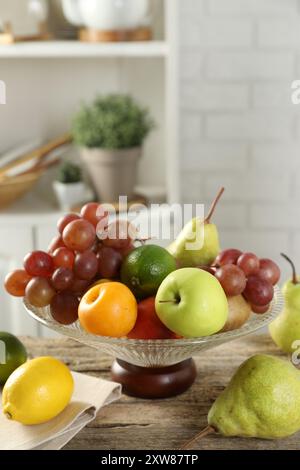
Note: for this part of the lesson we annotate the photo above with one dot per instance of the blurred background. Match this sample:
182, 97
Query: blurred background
213, 77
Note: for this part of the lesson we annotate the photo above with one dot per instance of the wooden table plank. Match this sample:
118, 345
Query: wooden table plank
135, 424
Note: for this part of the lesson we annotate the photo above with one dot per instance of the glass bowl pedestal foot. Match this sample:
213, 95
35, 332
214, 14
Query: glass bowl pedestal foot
154, 382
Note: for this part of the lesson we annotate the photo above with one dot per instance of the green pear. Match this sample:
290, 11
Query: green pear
201, 257
285, 329
262, 400
182, 248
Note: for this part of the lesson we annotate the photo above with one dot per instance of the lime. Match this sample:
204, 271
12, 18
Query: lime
145, 268
12, 353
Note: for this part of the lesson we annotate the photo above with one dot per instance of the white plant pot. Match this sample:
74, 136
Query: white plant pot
68, 195
107, 14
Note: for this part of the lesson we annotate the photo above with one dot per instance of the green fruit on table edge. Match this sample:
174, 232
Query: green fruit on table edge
144, 269
285, 329
197, 228
13, 352
192, 303
262, 400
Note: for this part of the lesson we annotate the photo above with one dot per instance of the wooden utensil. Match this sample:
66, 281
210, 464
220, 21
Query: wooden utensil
38, 154
16, 152
41, 168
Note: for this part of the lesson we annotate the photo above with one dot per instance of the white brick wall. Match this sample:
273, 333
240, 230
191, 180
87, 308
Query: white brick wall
250, 186
214, 156
249, 126
217, 33
272, 95
192, 125
247, 65
192, 64
275, 217
287, 33
267, 156
206, 96
252, 7
239, 127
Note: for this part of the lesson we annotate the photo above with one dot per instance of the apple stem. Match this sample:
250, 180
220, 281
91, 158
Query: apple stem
294, 279
205, 432
168, 302
213, 206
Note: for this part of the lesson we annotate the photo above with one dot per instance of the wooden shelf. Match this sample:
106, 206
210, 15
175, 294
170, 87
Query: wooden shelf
76, 49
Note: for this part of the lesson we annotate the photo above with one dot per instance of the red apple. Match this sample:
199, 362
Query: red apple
148, 325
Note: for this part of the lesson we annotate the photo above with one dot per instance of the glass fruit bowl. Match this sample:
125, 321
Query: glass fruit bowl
145, 367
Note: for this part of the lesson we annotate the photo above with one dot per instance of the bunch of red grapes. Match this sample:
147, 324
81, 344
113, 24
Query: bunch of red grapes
86, 249
245, 274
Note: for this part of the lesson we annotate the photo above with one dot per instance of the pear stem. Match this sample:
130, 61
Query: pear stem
142, 241
205, 432
294, 278
213, 206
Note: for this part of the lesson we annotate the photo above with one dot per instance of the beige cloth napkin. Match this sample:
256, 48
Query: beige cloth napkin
90, 394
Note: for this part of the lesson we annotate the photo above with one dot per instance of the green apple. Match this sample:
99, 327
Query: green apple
192, 303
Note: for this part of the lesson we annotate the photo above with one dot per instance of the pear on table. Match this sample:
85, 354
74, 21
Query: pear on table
285, 329
262, 401
255, 402
204, 256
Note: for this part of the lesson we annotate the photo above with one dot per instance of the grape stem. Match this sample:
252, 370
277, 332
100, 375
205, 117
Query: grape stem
213, 206
294, 278
205, 432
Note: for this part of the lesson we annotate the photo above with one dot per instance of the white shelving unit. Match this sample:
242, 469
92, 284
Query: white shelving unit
30, 224
76, 49
133, 64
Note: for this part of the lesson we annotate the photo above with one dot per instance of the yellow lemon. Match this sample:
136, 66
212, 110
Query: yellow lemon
37, 391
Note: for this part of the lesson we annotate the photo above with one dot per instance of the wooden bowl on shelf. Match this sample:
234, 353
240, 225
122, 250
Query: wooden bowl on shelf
13, 188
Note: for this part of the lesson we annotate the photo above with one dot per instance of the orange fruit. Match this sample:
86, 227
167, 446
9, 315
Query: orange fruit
101, 281
109, 309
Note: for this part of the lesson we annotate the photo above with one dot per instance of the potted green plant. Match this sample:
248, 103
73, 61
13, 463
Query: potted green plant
69, 187
110, 133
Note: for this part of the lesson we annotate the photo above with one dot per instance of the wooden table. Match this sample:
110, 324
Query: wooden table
163, 424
